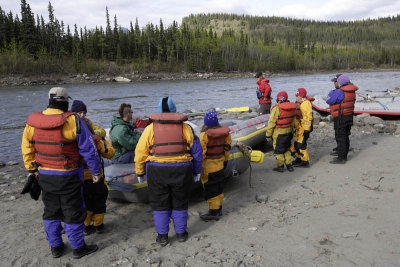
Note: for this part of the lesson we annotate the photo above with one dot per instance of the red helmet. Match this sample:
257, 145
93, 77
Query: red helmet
282, 96
301, 92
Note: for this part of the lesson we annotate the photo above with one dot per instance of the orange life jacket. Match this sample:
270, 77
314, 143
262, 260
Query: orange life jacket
168, 135
216, 142
52, 149
347, 105
287, 114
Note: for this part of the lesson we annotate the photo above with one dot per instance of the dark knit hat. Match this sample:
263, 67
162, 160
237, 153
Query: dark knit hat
78, 106
211, 118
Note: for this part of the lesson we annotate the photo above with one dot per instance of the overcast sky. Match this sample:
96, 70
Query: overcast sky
92, 12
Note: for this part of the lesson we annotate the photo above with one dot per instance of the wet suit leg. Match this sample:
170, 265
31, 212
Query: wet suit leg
213, 189
95, 195
281, 146
169, 191
62, 196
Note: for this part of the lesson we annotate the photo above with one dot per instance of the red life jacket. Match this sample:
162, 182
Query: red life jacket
216, 142
287, 114
168, 135
347, 105
52, 149
297, 111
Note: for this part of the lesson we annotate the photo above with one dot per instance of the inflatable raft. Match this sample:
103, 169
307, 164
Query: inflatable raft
377, 104
125, 187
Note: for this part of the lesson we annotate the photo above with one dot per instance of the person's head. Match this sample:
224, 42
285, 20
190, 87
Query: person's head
79, 108
125, 112
340, 80
281, 97
166, 104
58, 98
301, 94
258, 76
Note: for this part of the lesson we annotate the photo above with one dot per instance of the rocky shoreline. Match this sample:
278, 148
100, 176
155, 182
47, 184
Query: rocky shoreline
60, 79
324, 215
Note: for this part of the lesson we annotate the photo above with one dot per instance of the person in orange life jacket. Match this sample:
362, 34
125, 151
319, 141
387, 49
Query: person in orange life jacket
123, 135
215, 141
341, 102
95, 194
263, 94
170, 155
279, 129
53, 143
303, 125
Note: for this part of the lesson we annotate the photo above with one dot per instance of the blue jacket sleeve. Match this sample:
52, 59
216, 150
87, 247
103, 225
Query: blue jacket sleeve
197, 153
335, 97
87, 148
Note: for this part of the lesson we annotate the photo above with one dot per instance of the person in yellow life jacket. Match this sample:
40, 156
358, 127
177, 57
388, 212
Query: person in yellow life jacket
215, 141
304, 126
341, 102
54, 143
170, 155
279, 129
95, 194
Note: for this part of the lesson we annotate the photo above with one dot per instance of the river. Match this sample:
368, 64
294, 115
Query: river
103, 100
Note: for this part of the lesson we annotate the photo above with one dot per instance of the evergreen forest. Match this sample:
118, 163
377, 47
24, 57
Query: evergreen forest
31, 44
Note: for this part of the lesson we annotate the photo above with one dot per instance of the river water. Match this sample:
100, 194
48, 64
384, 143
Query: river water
103, 100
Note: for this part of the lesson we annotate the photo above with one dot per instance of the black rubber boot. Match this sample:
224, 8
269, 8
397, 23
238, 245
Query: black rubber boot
290, 167
303, 164
182, 237
296, 161
84, 250
100, 228
162, 239
89, 230
334, 153
57, 252
337, 161
212, 215
278, 169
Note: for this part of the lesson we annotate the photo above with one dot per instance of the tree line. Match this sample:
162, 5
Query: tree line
31, 44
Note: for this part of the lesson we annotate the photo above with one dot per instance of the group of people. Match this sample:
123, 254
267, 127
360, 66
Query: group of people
65, 153
287, 118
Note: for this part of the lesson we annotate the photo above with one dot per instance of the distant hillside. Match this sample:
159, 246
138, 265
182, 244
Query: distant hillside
376, 33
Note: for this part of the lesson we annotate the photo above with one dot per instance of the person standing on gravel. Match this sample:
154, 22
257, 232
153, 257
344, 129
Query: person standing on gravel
170, 155
263, 94
279, 129
53, 143
341, 101
304, 126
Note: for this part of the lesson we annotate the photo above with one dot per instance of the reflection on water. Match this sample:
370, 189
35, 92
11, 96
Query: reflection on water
103, 100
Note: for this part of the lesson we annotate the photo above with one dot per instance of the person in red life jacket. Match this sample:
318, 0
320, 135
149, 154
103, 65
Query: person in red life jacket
279, 129
304, 126
215, 141
95, 194
170, 155
53, 145
341, 102
263, 94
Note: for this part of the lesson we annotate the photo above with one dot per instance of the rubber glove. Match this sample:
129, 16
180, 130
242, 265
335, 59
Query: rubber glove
140, 179
225, 164
269, 139
196, 177
306, 134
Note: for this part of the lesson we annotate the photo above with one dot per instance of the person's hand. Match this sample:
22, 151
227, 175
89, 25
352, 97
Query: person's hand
225, 164
306, 134
196, 177
140, 179
269, 139
96, 178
